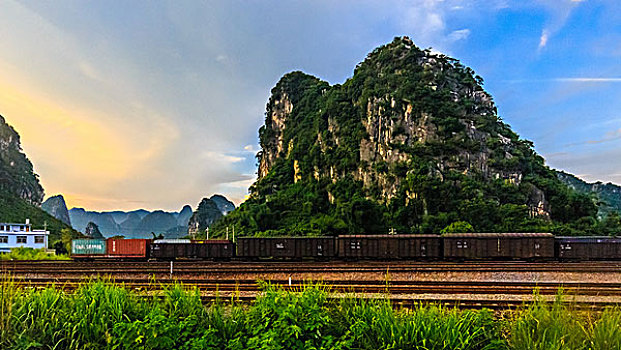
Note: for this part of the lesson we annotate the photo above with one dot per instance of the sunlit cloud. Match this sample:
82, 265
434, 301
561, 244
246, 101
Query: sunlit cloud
543, 39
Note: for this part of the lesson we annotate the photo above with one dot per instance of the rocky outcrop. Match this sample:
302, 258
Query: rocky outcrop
16, 173
204, 216
413, 106
92, 231
57, 207
410, 143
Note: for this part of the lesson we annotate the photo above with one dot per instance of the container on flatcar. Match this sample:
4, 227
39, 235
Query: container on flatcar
186, 249
128, 248
88, 248
286, 247
498, 245
588, 248
389, 246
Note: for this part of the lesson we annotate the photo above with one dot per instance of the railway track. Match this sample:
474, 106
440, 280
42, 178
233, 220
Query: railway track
203, 267
366, 279
471, 295
395, 287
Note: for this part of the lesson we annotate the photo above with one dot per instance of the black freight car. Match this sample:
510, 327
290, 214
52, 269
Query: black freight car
389, 247
588, 248
286, 247
498, 245
185, 249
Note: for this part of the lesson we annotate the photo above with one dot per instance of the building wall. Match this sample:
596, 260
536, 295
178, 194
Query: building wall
20, 235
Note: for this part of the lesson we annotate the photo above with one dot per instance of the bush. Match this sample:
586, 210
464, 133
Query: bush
23, 253
101, 315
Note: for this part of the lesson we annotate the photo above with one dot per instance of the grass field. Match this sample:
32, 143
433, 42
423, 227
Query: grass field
103, 315
31, 254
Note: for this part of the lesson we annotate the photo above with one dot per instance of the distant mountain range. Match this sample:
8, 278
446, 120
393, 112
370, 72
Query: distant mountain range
136, 223
608, 194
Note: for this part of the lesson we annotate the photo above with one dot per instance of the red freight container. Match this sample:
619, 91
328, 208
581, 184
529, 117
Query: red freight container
128, 248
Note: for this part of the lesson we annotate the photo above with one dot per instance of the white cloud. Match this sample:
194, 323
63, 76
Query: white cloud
590, 80
543, 40
251, 149
559, 14
459, 34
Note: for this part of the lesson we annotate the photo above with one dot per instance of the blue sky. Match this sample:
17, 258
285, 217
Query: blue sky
155, 104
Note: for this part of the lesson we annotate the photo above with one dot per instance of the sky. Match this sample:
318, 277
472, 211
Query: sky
157, 104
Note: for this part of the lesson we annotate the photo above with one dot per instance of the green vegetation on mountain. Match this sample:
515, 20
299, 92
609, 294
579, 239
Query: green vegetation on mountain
411, 142
608, 194
20, 191
16, 174
204, 216
16, 210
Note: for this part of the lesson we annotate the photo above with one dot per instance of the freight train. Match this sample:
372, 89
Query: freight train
454, 246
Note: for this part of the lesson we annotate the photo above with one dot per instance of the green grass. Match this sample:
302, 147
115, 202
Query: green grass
31, 254
102, 315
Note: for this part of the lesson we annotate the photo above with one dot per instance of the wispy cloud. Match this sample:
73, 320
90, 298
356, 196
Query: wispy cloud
543, 39
609, 136
590, 80
567, 80
459, 34
559, 14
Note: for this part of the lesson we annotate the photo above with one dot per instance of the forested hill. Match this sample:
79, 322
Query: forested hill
20, 191
608, 194
410, 143
16, 174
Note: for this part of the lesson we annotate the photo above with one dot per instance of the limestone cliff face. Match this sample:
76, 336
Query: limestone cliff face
280, 107
57, 207
16, 173
403, 108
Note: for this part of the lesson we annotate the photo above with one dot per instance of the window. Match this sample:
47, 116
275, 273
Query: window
40, 239
21, 228
22, 239
4, 239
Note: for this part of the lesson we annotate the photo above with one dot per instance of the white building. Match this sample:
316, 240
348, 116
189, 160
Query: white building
21, 235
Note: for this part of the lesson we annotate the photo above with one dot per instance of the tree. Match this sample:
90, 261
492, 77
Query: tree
458, 227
